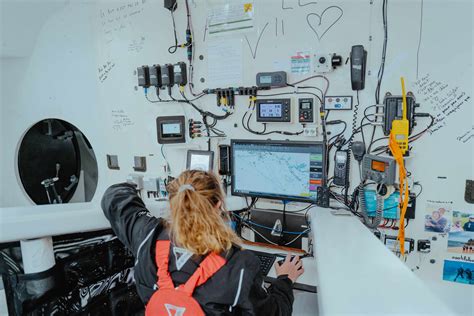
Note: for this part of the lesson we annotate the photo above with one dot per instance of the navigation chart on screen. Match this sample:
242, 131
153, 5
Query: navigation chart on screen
273, 172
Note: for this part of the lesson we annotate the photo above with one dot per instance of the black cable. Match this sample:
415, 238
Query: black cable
384, 51
287, 93
417, 136
313, 77
421, 188
283, 225
382, 65
172, 49
411, 139
264, 132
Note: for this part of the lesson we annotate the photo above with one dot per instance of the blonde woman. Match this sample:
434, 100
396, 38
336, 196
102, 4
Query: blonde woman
198, 227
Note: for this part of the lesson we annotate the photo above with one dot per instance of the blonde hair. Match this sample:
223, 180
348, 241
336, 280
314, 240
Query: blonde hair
196, 222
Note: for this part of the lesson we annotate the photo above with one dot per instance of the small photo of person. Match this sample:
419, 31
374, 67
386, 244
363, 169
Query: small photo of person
461, 235
458, 271
438, 221
469, 225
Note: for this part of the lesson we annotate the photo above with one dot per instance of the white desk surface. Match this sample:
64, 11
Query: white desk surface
36, 221
357, 275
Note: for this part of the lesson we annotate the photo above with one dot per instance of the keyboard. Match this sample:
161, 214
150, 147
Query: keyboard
266, 261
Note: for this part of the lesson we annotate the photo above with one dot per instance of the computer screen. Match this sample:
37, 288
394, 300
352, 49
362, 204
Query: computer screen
284, 170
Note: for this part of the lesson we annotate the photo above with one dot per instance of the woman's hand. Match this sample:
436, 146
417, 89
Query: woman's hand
291, 267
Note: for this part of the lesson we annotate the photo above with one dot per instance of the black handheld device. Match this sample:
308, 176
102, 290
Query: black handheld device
358, 65
341, 168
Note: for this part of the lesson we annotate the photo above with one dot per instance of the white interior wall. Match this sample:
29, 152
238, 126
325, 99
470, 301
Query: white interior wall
56, 81
60, 80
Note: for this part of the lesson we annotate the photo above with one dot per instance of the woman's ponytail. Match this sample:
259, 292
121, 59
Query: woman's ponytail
199, 222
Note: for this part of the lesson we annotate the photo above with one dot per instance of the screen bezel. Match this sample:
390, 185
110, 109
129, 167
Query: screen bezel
209, 154
276, 143
170, 138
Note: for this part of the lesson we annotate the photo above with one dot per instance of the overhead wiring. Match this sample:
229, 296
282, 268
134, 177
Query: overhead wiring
172, 49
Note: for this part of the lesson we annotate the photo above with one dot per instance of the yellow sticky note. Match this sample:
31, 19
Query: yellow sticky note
248, 7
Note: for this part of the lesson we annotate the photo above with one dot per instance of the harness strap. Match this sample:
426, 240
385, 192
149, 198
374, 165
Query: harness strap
162, 253
208, 267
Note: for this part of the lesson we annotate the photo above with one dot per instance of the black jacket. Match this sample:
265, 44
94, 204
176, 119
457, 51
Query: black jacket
236, 289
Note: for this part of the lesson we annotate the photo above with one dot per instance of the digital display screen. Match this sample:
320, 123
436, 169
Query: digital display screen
200, 162
299, 165
378, 166
266, 79
171, 128
306, 106
270, 110
341, 157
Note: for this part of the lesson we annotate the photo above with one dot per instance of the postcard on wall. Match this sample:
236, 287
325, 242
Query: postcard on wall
458, 271
461, 234
438, 216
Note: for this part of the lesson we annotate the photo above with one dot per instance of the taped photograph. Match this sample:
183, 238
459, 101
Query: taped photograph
458, 271
461, 235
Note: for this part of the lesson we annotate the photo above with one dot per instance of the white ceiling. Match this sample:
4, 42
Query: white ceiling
21, 22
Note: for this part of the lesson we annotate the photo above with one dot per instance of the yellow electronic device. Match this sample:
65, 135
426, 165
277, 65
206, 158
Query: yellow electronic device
400, 128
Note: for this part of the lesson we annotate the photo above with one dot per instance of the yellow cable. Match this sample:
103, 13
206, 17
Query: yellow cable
404, 196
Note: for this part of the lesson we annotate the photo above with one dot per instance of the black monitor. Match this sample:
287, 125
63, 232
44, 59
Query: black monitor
283, 170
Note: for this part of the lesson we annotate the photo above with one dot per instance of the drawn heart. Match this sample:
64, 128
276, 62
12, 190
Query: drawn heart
319, 26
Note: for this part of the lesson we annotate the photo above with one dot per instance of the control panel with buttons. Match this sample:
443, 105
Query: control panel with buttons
305, 110
380, 169
338, 102
273, 110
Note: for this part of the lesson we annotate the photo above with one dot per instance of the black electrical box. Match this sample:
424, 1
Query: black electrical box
155, 76
171, 5
180, 74
410, 212
323, 195
224, 160
143, 74
393, 111
167, 75
423, 245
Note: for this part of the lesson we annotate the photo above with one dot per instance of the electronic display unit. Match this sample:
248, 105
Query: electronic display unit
274, 110
282, 170
170, 129
270, 110
200, 160
271, 79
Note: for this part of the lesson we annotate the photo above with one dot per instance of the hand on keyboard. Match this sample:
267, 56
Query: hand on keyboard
291, 266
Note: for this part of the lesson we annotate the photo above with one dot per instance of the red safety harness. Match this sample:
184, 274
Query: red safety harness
168, 300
